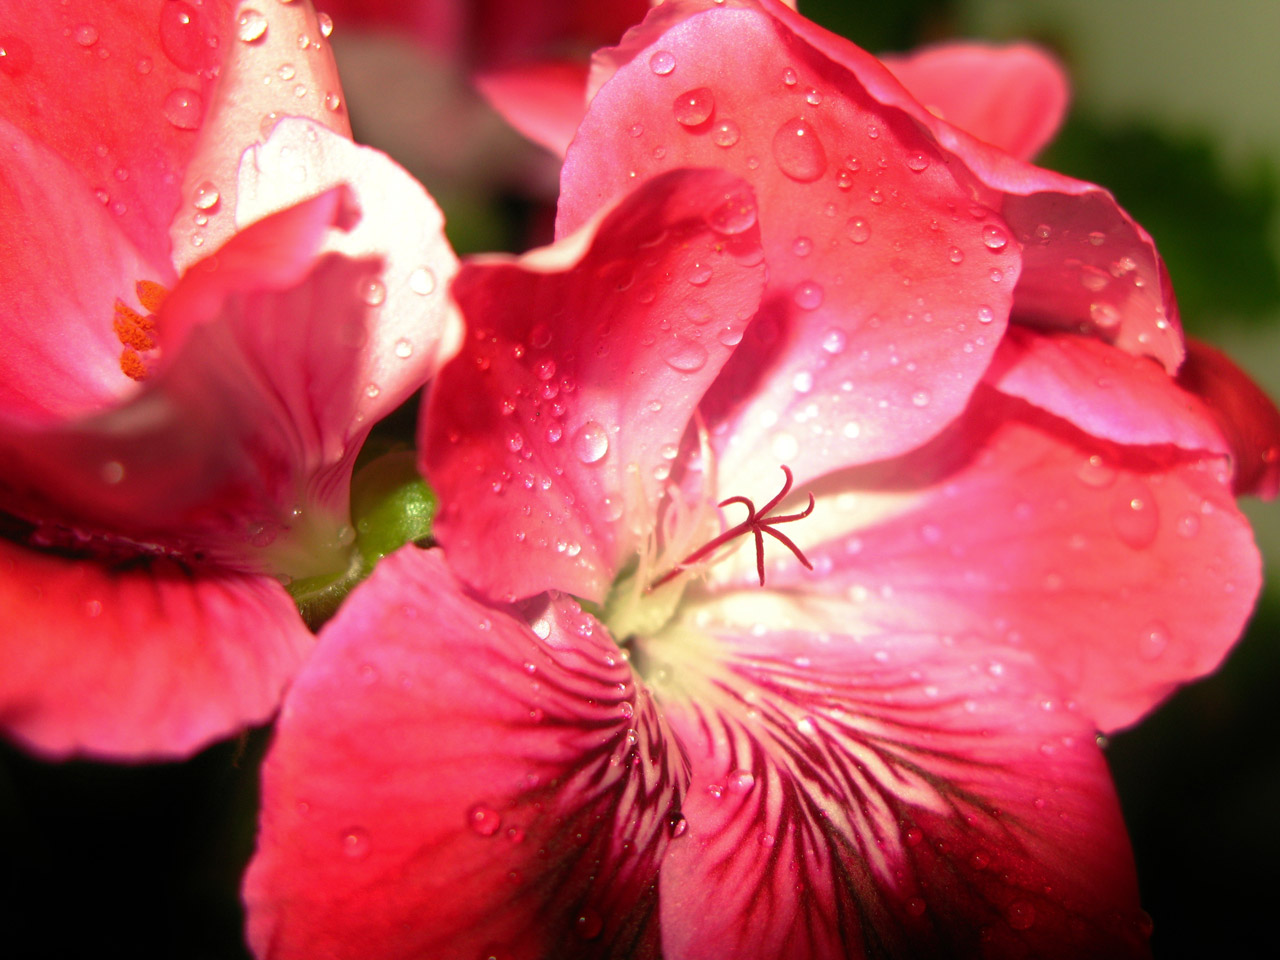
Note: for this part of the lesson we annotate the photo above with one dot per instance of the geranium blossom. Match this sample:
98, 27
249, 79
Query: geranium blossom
597, 724
211, 296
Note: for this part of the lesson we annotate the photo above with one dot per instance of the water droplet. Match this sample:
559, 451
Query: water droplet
1021, 915
372, 390
736, 214
86, 34
917, 163
798, 151
1096, 472
145, 66
784, 446
725, 133
677, 824
183, 108
404, 349
808, 295
112, 472
355, 843
812, 97
251, 26
834, 341
483, 821
545, 369
802, 246
422, 281
994, 237
686, 356
802, 382
700, 274
1153, 641
956, 255
920, 398
741, 781
986, 314
1097, 238
858, 230
915, 906
1104, 315
590, 443
1135, 516
373, 292
694, 106
206, 197
588, 925
332, 101
789, 77
1188, 525
181, 38
662, 63
873, 132
326, 24
16, 57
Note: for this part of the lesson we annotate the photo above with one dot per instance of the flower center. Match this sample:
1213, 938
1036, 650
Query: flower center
134, 330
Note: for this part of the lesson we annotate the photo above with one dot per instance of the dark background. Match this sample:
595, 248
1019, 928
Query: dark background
145, 861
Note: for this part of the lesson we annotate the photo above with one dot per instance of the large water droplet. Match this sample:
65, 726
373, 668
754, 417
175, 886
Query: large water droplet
484, 821
662, 63
858, 230
422, 281
181, 38
994, 237
206, 197
1135, 516
590, 443
694, 106
686, 356
251, 25
183, 108
917, 163
798, 151
326, 24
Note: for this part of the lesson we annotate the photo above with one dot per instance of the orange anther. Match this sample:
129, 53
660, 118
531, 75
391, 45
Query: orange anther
132, 329
131, 364
151, 295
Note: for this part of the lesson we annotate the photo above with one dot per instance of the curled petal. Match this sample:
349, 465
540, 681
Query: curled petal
1012, 97
544, 101
550, 436
891, 274
1103, 390
450, 781
142, 660
1126, 570
859, 796
1246, 416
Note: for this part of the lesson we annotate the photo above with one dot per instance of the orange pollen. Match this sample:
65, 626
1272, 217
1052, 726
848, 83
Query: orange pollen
135, 330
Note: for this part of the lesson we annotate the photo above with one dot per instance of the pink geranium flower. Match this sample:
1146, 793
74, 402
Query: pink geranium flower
211, 295
802, 525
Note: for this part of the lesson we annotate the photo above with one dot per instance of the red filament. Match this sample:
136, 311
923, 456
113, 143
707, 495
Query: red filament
758, 522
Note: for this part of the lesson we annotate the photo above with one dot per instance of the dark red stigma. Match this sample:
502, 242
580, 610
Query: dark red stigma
758, 522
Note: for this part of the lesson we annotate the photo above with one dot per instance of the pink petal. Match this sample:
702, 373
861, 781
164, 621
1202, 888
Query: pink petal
449, 782
883, 306
544, 101
1125, 570
547, 438
1085, 262
239, 450
59, 357
1012, 97
118, 92
1246, 416
865, 796
142, 659
286, 70
1102, 390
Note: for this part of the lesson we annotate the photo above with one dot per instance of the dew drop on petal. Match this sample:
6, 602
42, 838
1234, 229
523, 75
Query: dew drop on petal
808, 295
694, 107
373, 292
662, 63
483, 821
858, 230
735, 214
1096, 472
677, 825
798, 151
802, 246
355, 843
686, 356
590, 442
326, 24
917, 163
403, 349
1135, 516
834, 341
86, 34
725, 133
183, 108
422, 281
955, 255
1153, 641
332, 101
588, 924
1021, 915
206, 197
251, 25
986, 314
994, 237
789, 77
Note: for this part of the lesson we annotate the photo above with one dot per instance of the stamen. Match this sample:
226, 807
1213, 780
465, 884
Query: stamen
134, 330
758, 523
